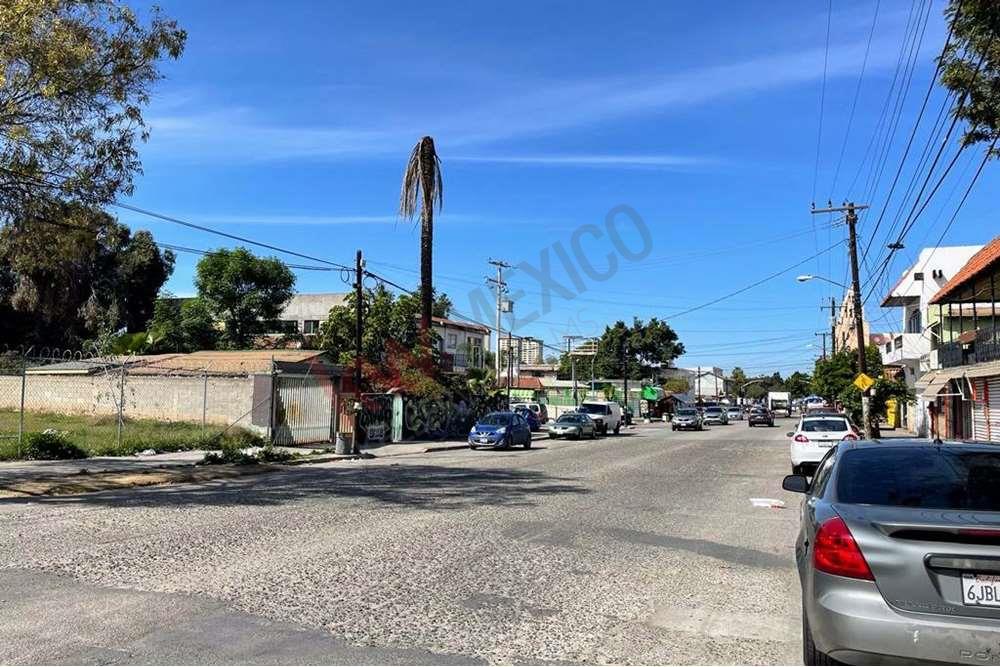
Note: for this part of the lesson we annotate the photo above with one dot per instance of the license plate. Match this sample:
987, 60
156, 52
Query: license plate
981, 590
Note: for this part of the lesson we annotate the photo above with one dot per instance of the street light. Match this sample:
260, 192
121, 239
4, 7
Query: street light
807, 277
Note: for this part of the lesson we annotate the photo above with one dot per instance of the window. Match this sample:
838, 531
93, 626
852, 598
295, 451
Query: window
831, 425
823, 473
921, 476
918, 275
452, 341
288, 326
914, 323
310, 327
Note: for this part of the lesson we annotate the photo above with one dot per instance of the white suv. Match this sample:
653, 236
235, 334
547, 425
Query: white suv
814, 436
606, 414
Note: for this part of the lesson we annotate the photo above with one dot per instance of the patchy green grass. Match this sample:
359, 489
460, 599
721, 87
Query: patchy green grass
97, 436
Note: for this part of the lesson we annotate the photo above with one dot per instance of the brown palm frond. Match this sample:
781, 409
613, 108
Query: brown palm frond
415, 189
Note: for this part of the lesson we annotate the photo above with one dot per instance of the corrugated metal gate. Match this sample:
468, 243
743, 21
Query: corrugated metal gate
986, 409
305, 409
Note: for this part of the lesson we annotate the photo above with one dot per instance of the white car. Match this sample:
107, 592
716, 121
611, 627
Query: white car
814, 436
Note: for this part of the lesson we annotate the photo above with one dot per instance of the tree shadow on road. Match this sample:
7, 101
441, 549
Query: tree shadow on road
430, 486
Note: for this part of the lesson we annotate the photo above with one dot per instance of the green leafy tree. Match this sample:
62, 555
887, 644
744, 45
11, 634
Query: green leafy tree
970, 68
181, 325
70, 273
243, 291
798, 384
738, 380
75, 76
676, 385
636, 350
388, 319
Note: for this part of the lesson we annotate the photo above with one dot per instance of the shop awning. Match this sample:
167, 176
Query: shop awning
981, 370
937, 383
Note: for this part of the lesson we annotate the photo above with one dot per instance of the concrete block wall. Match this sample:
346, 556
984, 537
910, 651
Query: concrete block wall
165, 398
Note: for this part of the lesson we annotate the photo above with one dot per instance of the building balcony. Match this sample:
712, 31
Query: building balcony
972, 347
905, 347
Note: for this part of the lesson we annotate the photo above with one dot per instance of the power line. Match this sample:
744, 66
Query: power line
854, 104
909, 143
242, 239
822, 96
754, 284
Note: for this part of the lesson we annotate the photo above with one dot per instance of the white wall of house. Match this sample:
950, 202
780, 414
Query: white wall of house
909, 345
308, 311
466, 344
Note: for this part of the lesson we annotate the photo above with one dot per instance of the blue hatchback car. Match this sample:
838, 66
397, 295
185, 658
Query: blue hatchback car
500, 429
533, 423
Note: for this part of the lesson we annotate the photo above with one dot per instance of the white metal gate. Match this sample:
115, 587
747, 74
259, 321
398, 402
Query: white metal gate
304, 409
986, 409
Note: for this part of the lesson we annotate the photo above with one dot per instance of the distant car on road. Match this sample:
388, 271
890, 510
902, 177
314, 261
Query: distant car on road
715, 415
573, 425
814, 436
606, 414
529, 416
734, 414
897, 554
540, 410
760, 416
500, 429
687, 419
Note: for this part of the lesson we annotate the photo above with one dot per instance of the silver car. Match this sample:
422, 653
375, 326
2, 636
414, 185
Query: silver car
686, 419
573, 425
899, 554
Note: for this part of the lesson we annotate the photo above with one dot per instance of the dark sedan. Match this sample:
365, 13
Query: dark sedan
760, 417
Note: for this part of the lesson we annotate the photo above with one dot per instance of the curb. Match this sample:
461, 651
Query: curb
445, 448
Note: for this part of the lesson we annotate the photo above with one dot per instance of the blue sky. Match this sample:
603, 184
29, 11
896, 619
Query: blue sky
292, 123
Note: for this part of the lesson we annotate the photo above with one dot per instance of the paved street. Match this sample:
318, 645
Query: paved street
642, 548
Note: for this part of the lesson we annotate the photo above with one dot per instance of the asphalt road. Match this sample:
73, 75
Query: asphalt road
642, 548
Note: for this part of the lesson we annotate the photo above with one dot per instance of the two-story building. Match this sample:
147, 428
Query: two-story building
461, 344
908, 349
962, 390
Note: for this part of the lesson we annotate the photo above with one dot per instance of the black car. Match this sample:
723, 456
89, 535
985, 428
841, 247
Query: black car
760, 416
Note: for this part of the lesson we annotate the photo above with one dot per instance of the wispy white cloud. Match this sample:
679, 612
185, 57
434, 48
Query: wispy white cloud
593, 160
250, 219
508, 112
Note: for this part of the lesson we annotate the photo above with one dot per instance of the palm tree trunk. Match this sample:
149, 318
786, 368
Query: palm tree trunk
427, 177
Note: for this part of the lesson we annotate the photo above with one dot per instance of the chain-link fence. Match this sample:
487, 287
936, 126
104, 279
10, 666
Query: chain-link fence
119, 405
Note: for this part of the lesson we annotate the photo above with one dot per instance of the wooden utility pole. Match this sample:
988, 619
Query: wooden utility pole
833, 326
823, 334
851, 218
359, 274
501, 287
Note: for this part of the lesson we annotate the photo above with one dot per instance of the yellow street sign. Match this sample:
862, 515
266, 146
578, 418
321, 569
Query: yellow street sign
863, 382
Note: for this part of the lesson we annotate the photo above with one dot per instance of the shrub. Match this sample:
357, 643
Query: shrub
50, 444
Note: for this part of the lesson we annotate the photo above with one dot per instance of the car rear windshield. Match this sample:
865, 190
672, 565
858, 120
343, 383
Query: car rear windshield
825, 425
596, 408
495, 419
921, 476
573, 419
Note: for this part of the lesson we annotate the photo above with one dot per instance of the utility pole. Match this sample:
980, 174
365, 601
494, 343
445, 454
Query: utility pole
823, 334
572, 358
510, 366
501, 287
625, 418
359, 274
833, 326
851, 218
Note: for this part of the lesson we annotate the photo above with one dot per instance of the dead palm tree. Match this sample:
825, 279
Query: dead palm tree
422, 181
